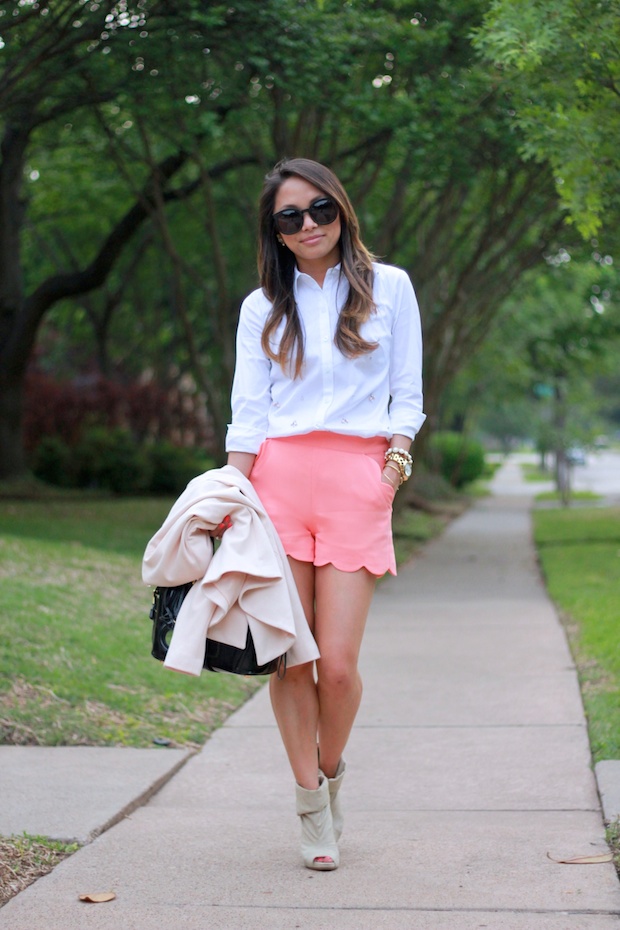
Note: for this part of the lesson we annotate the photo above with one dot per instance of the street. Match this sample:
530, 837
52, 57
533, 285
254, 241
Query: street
600, 474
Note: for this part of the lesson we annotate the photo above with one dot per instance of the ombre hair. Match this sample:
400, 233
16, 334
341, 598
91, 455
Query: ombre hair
276, 267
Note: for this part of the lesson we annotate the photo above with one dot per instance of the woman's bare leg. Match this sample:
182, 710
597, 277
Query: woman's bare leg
294, 698
336, 606
342, 604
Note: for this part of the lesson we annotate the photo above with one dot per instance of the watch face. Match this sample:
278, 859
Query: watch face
408, 470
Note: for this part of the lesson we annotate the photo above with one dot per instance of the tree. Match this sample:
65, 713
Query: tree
455, 203
181, 123
83, 62
558, 332
561, 60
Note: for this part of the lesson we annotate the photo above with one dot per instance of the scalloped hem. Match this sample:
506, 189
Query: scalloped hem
377, 572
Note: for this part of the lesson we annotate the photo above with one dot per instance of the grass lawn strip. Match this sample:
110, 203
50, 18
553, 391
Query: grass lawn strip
412, 529
588, 496
75, 664
613, 838
579, 550
533, 472
75, 660
25, 858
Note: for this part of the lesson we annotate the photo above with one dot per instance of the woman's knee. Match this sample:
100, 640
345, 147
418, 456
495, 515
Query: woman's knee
339, 674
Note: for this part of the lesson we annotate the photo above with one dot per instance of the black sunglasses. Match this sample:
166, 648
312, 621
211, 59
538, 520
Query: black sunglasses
323, 211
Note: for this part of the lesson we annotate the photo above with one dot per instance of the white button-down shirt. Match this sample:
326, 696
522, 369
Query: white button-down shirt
376, 394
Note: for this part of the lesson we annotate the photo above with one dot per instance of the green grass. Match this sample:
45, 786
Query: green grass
532, 472
75, 663
613, 839
412, 528
574, 496
25, 858
580, 556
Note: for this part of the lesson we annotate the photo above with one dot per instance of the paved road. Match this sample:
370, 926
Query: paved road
600, 474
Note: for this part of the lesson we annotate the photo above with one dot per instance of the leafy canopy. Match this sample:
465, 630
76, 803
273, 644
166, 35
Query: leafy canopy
561, 60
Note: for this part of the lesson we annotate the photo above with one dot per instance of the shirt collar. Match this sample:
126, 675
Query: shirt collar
331, 272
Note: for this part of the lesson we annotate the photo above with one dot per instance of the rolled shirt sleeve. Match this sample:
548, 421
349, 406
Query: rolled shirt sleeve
251, 390
405, 378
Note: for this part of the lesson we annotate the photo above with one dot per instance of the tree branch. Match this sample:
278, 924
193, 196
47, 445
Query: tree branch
73, 283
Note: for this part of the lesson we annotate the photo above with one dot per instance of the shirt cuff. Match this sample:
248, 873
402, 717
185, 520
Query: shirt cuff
407, 427
241, 440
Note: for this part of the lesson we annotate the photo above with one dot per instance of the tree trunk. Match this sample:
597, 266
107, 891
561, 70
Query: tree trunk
20, 316
12, 370
562, 466
12, 458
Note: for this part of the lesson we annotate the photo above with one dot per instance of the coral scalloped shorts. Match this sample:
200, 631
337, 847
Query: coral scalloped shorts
325, 497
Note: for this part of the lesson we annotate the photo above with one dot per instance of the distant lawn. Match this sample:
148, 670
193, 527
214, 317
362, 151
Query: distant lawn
574, 496
412, 528
580, 554
75, 663
533, 472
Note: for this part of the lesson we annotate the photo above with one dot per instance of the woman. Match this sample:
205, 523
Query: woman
326, 401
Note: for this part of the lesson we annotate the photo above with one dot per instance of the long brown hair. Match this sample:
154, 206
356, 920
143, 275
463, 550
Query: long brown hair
276, 267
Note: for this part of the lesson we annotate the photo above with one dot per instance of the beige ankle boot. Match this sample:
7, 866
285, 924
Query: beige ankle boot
334, 801
317, 830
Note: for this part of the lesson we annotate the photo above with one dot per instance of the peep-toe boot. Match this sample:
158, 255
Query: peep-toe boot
317, 831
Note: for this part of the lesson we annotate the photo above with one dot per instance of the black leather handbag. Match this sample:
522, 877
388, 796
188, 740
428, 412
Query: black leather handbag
219, 657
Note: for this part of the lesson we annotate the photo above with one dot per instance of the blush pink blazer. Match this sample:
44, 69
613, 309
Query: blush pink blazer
247, 581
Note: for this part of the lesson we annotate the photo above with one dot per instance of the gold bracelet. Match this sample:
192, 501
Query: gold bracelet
403, 452
402, 459
393, 465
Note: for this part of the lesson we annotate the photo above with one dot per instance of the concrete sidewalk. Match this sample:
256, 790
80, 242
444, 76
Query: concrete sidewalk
467, 769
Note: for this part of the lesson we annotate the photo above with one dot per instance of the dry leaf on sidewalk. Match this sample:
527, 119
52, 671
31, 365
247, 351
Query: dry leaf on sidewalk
98, 898
584, 860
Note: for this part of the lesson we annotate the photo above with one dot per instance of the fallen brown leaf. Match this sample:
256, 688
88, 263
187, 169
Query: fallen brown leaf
584, 860
98, 898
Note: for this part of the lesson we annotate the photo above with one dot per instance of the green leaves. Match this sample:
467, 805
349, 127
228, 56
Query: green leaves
562, 64
423, 131
521, 34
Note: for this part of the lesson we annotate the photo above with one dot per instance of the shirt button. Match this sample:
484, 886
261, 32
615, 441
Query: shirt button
344, 420
372, 397
294, 423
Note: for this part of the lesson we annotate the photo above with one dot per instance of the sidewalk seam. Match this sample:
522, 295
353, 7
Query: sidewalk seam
141, 799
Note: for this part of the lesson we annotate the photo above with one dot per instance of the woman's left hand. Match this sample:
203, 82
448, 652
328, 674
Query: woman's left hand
219, 530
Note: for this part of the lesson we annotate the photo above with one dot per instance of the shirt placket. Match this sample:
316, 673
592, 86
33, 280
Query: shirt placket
326, 353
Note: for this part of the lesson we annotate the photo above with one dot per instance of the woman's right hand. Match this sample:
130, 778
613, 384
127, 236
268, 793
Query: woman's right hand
390, 476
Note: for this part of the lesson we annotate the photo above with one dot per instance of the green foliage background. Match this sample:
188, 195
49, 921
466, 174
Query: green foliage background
468, 133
